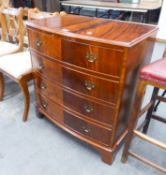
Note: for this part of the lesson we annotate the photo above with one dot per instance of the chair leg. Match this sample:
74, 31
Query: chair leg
24, 88
150, 111
157, 104
1, 86
134, 117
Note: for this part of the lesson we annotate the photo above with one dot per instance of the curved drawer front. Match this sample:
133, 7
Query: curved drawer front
77, 81
87, 129
48, 44
99, 59
50, 108
48, 89
86, 108
91, 86
47, 68
80, 126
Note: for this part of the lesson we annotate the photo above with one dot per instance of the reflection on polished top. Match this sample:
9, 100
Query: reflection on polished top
96, 29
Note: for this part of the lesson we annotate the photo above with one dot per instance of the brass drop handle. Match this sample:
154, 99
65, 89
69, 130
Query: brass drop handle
43, 85
86, 130
88, 109
91, 57
44, 105
38, 42
89, 85
41, 66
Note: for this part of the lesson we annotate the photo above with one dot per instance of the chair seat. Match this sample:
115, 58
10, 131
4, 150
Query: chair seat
155, 72
7, 48
17, 64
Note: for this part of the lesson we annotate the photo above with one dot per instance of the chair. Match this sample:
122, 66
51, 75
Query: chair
35, 13
14, 63
11, 20
154, 75
5, 3
17, 66
164, 92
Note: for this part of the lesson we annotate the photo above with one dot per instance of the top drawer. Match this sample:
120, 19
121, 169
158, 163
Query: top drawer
99, 59
48, 44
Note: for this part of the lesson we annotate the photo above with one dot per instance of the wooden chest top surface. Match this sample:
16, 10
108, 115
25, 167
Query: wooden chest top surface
95, 29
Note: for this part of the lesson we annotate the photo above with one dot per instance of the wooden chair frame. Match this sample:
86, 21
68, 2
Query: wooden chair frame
164, 92
136, 113
11, 15
22, 82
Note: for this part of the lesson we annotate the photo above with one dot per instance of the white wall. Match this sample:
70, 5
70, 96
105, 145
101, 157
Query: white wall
162, 22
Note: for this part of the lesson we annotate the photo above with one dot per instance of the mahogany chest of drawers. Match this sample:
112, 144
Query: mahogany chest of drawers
85, 74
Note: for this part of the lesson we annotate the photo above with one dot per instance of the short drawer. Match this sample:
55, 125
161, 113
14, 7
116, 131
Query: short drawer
87, 129
50, 108
48, 44
99, 59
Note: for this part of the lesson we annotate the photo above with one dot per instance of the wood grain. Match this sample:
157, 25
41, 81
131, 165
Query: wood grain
90, 79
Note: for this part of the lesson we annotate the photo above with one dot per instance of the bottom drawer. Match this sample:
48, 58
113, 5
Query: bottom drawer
94, 132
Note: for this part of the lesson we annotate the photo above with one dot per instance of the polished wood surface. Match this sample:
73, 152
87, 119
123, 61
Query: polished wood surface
87, 108
40, 42
85, 73
95, 29
88, 129
93, 57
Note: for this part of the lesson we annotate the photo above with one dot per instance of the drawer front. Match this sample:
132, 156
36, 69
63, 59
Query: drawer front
91, 86
50, 108
90, 109
89, 130
48, 44
46, 88
99, 59
78, 81
47, 68
86, 108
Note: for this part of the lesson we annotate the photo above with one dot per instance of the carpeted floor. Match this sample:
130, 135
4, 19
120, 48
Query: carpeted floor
38, 147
